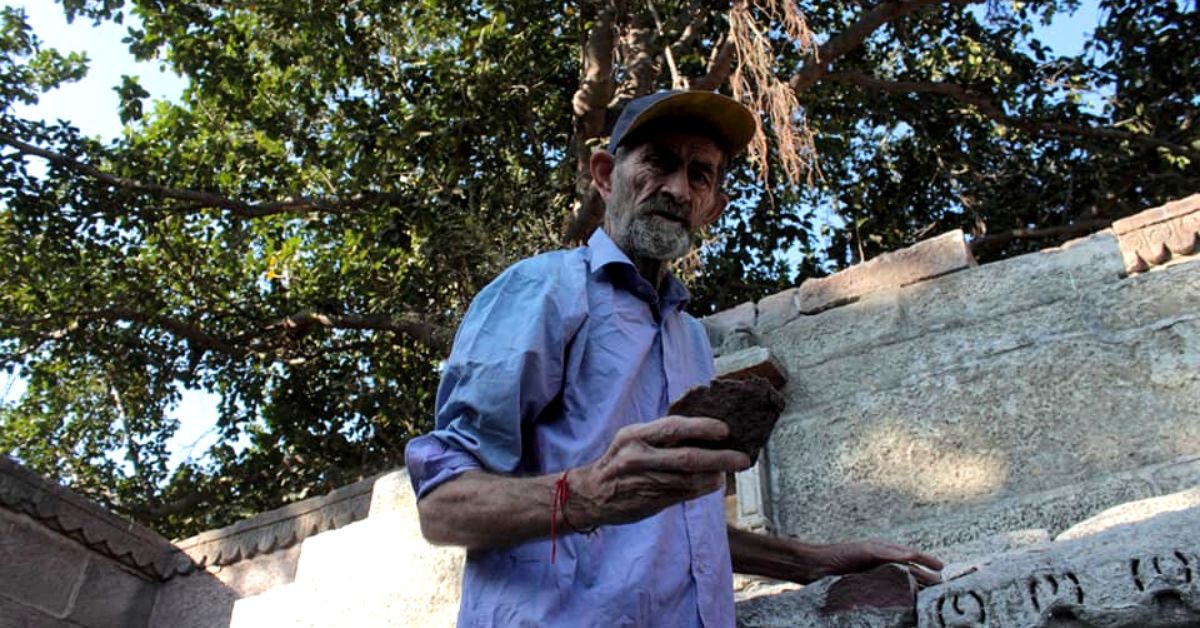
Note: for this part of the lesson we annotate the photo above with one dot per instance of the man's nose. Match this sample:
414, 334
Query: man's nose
678, 187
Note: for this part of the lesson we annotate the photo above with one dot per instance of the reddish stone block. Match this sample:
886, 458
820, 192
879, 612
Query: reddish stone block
889, 586
925, 260
752, 362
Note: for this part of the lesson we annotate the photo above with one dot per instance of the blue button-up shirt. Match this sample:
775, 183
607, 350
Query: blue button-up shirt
552, 358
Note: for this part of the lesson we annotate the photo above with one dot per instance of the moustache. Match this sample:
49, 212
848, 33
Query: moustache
667, 207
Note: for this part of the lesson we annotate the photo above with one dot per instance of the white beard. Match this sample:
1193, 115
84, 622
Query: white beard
653, 237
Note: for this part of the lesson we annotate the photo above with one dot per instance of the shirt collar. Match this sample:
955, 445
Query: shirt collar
604, 254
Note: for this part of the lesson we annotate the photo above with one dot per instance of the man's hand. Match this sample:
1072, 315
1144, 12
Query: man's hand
845, 558
788, 559
643, 471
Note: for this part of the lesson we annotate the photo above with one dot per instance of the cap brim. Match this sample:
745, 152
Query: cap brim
729, 119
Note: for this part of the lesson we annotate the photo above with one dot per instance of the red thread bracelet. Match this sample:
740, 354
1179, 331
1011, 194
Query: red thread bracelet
562, 492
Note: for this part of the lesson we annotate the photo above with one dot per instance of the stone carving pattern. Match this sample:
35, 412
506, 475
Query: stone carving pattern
1159, 573
1166, 579
1156, 235
91, 526
1057, 595
960, 609
276, 529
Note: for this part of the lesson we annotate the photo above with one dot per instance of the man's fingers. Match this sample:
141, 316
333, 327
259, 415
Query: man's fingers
688, 460
926, 560
902, 554
924, 576
682, 485
669, 430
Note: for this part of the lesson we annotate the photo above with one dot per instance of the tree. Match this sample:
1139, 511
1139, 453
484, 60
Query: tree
301, 231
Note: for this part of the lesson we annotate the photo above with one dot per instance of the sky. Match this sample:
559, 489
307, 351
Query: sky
91, 105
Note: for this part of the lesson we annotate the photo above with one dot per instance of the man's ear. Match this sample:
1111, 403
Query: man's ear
719, 204
602, 165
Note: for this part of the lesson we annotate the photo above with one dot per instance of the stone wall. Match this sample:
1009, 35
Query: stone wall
354, 557
944, 403
67, 562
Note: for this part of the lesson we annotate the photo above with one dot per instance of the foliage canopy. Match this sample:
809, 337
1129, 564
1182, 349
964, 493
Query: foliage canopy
300, 232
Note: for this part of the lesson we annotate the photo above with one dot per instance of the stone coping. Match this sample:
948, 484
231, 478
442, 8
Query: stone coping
1150, 238
275, 529
153, 557
924, 260
1157, 235
138, 548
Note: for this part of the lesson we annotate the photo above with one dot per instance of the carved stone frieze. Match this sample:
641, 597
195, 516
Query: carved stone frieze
276, 529
1135, 574
141, 550
1156, 235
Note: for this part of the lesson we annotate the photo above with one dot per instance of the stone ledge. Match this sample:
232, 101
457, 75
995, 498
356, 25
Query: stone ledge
924, 260
927, 259
1156, 235
141, 550
753, 361
276, 529
725, 322
1135, 574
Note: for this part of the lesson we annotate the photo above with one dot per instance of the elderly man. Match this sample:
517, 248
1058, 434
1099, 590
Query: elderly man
552, 462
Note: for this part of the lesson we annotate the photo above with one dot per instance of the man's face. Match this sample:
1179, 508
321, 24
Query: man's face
663, 191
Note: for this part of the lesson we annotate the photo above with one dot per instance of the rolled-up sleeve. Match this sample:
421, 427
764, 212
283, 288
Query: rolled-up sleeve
505, 368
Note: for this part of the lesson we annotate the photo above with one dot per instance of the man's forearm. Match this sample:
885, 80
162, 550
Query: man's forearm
642, 472
769, 556
479, 509
787, 559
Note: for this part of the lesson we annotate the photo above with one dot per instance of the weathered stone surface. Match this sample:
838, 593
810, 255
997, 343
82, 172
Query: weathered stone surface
260, 573
1156, 235
882, 597
363, 575
984, 391
38, 567
359, 575
969, 434
926, 259
16, 615
777, 310
392, 492
722, 323
1133, 512
1142, 574
750, 406
195, 600
279, 528
752, 362
111, 597
58, 509
966, 557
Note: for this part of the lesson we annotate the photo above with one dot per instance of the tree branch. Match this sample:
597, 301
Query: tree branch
433, 336
853, 36
198, 199
590, 105
1037, 128
985, 246
296, 326
720, 66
